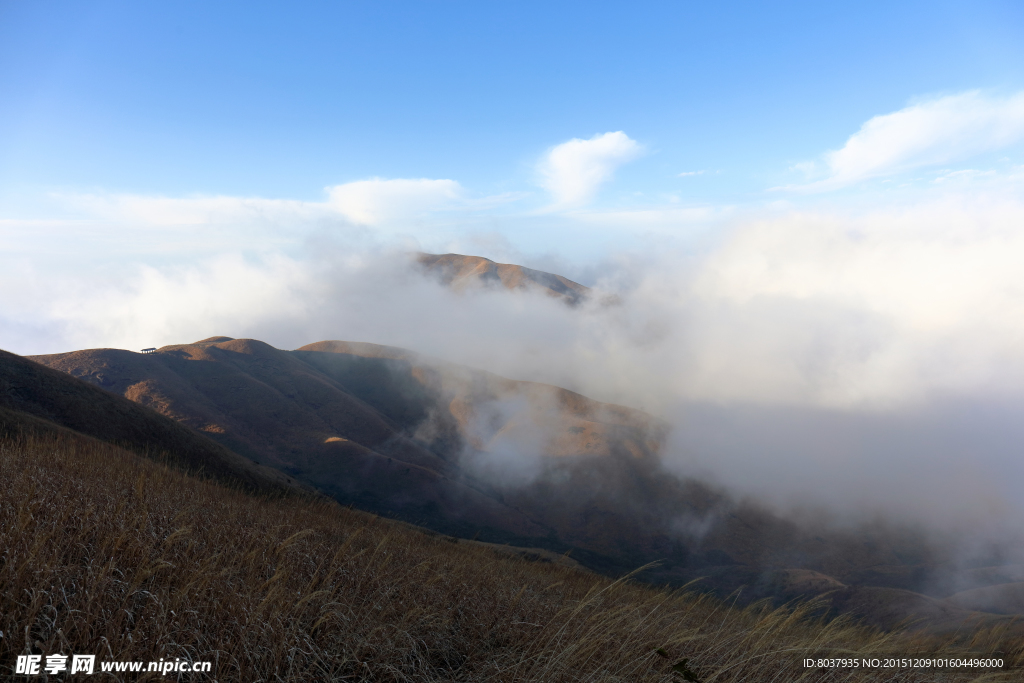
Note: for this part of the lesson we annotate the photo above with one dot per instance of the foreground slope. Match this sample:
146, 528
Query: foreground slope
110, 554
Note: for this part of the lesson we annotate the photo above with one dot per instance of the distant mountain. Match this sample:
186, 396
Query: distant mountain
1001, 598
459, 272
38, 399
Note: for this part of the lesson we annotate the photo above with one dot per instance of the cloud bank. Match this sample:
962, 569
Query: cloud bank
889, 322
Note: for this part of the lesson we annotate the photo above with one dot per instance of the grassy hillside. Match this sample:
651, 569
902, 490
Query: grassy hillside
108, 553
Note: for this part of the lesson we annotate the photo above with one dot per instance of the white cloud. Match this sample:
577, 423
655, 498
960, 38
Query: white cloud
965, 175
889, 308
378, 201
154, 305
686, 174
574, 170
939, 131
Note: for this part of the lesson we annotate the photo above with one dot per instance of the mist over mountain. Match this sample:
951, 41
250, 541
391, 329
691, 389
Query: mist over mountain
746, 359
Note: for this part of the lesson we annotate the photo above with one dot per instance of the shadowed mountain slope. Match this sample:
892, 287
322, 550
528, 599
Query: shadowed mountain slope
459, 272
271, 406
457, 449
38, 399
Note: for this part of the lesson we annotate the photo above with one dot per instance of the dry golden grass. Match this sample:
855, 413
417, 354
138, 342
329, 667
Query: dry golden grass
107, 553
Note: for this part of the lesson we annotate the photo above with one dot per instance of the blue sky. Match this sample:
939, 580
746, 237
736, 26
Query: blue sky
283, 100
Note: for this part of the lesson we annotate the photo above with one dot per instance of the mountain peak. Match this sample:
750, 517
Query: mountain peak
460, 271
